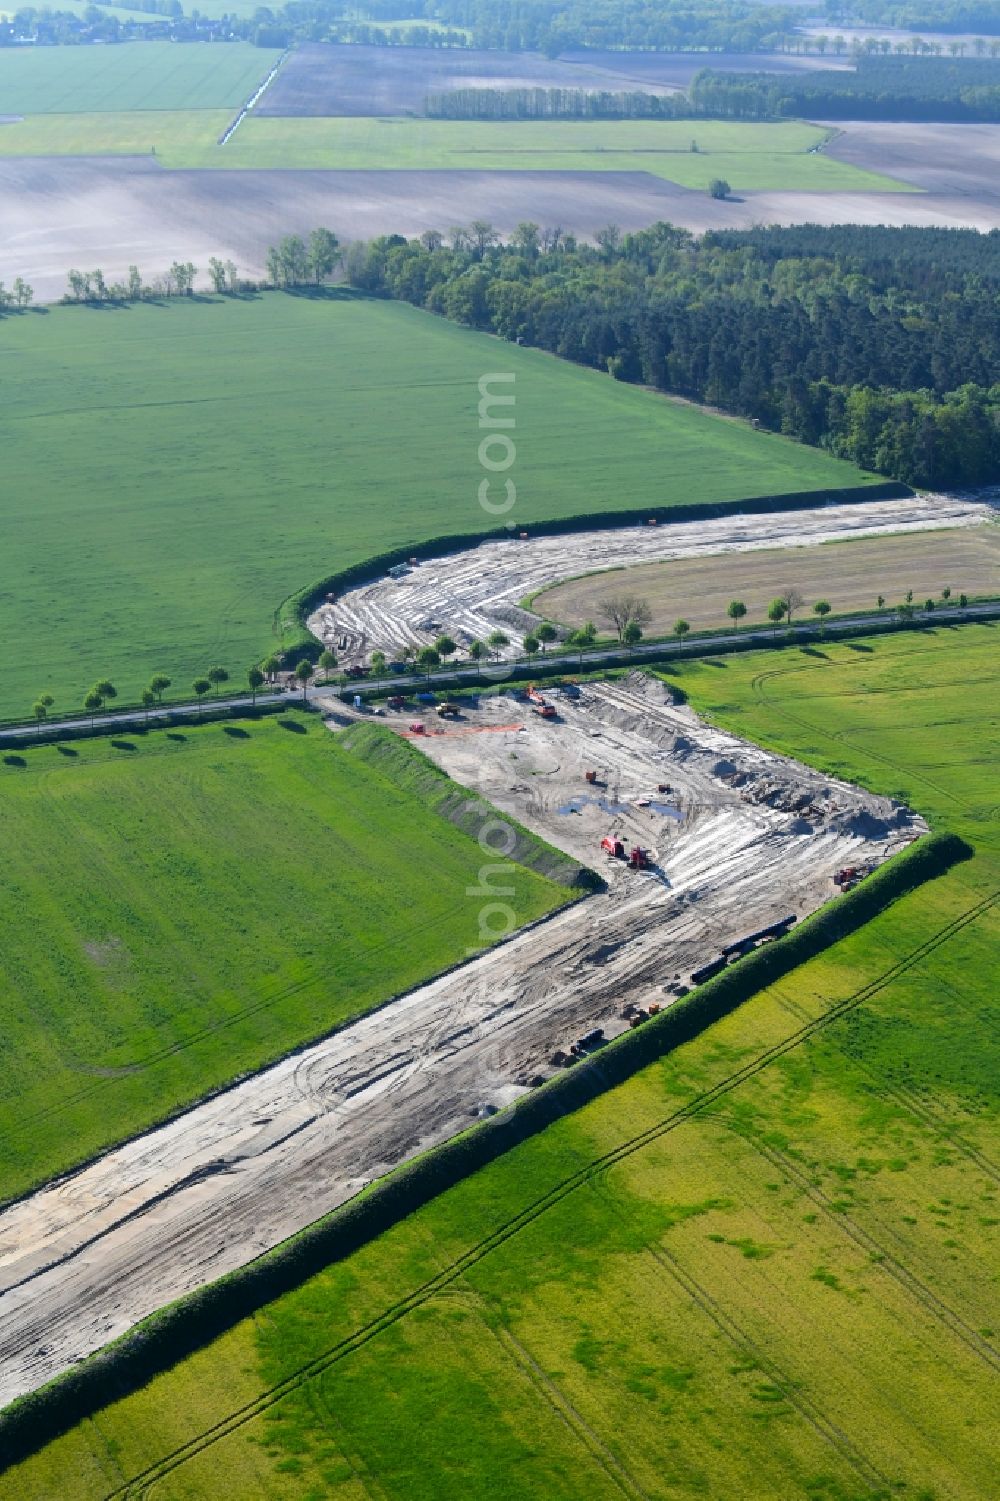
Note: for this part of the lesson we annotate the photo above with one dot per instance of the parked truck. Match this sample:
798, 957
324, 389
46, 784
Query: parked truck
540, 705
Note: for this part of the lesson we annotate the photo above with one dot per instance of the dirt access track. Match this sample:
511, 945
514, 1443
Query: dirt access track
741, 839
473, 593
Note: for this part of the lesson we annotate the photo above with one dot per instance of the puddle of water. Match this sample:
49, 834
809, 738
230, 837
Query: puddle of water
577, 804
667, 810
572, 807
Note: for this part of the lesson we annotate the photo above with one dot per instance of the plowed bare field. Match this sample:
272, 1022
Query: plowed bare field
848, 575
329, 79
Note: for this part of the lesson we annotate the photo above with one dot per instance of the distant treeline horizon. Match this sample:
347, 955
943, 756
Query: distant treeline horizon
552, 27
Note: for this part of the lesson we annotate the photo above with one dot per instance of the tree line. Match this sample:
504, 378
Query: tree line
102, 695
549, 26
555, 104
295, 262
880, 88
555, 26
20, 295
559, 104
627, 615
882, 345
93, 286
968, 16
292, 263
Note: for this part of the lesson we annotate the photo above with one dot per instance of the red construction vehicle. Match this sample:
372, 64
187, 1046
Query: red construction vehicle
418, 727
395, 702
613, 846
638, 858
539, 704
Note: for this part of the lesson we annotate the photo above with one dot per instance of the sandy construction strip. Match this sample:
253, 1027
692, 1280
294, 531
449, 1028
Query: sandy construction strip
470, 594
744, 838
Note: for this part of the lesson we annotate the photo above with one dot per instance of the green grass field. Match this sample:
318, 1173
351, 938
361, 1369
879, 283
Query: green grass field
132, 76
171, 474
181, 908
172, 134
748, 156
789, 1294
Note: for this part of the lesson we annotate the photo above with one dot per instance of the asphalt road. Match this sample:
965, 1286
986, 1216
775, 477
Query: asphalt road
491, 673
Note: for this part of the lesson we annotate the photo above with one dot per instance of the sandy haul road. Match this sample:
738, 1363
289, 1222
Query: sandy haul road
472, 593
743, 838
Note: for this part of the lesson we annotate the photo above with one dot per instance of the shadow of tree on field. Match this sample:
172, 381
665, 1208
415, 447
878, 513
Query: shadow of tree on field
328, 294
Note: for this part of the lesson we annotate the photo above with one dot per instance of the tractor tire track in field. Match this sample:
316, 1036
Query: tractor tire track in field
672, 1269
330, 1423
908, 1100
929, 1301
140, 1485
564, 1409
842, 737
